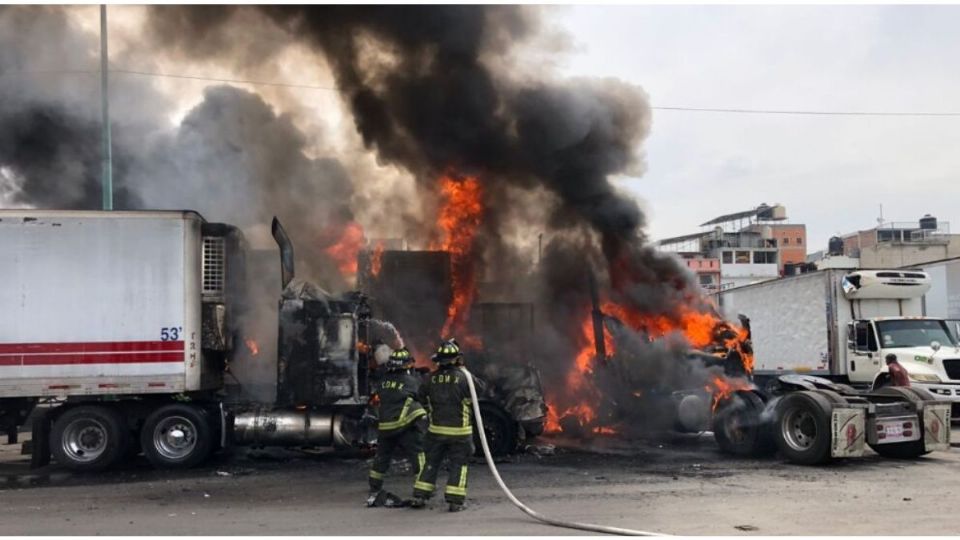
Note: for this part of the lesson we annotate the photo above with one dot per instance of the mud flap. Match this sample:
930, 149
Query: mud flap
847, 430
40, 442
936, 427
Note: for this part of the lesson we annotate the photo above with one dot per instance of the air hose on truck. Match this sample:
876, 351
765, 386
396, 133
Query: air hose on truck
516, 502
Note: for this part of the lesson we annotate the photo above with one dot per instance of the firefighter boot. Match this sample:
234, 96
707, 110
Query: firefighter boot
418, 502
455, 507
373, 499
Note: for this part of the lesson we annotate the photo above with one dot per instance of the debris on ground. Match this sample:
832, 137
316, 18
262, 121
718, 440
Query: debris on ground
540, 450
746, 528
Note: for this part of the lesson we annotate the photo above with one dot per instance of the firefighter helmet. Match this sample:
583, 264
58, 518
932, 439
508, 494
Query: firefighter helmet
400, 359
448, 352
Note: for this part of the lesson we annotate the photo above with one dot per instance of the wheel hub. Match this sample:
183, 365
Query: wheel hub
84, 440
799, 430
175, 437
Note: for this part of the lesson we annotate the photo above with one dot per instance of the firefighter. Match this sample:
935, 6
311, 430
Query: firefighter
450, 434
402, 420
898, 375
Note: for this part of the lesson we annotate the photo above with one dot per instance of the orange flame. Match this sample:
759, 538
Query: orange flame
376, 259
252, 346
700, 329
344, 249
723, 387
458, 220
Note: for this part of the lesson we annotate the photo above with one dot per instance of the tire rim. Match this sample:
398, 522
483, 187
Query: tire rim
799, 429
175, 437
493, 436
84, 440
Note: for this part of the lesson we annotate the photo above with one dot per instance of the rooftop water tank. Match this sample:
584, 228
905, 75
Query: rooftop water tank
835, 246
928, 222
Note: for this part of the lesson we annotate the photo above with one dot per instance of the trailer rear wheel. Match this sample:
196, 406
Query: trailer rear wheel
903, 450
89, 438
909, 393
739, 427
802, 429
177, 437
909, 449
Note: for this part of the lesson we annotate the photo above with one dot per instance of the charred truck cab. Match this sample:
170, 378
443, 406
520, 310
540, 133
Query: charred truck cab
322, 375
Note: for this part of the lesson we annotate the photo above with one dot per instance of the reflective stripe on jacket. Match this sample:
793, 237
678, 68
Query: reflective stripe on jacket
398, 400
447, 397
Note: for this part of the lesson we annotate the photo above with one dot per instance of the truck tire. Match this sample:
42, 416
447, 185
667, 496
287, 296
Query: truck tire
500, 429
903, 450
910, 449
177, 436
924, 395
739, 427
832, 397
89, 438
908, 393
802, 427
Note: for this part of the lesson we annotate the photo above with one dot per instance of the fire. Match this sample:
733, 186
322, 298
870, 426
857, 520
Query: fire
458, 220
343, 245
703, 330
252, 346
723, 387
376, 259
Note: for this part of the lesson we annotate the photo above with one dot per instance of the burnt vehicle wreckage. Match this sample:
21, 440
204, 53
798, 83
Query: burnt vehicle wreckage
809, 420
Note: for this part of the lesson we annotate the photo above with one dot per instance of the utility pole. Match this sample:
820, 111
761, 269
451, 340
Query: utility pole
107, 156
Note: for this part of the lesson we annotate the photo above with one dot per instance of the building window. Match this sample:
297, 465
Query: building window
786, 241
727, 257
743, 257
764, 257
706, 279
799, 241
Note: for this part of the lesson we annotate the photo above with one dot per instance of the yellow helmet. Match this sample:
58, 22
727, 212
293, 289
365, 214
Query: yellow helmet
400, 359
448, 352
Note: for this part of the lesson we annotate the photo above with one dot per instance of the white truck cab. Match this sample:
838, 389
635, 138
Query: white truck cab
924, 346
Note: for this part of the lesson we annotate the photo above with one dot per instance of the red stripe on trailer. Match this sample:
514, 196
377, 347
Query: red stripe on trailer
156, 385
81, 358
90, 346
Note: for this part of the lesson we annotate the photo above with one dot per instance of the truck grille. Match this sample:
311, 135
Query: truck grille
952, 368
214, 266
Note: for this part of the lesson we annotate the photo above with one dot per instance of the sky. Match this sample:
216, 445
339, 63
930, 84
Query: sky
832, 173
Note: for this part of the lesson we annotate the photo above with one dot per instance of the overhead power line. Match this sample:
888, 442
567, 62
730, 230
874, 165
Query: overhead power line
715, 110
805, 113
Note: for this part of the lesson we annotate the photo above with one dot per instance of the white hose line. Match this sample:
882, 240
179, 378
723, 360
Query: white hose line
526, 509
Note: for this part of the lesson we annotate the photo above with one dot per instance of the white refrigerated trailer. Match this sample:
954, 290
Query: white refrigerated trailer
841, 325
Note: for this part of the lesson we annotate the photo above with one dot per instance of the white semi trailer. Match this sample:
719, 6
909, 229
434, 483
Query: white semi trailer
841, 325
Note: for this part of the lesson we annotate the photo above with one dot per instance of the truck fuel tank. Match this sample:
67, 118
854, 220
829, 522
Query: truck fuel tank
262, 427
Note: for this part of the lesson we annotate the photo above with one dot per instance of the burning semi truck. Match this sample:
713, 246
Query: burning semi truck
123, 326
808, 419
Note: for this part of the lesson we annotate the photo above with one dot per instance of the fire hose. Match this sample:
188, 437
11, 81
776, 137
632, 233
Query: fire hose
516, 502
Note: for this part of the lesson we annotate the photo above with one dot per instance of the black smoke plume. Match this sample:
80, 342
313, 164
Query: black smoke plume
433, 90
